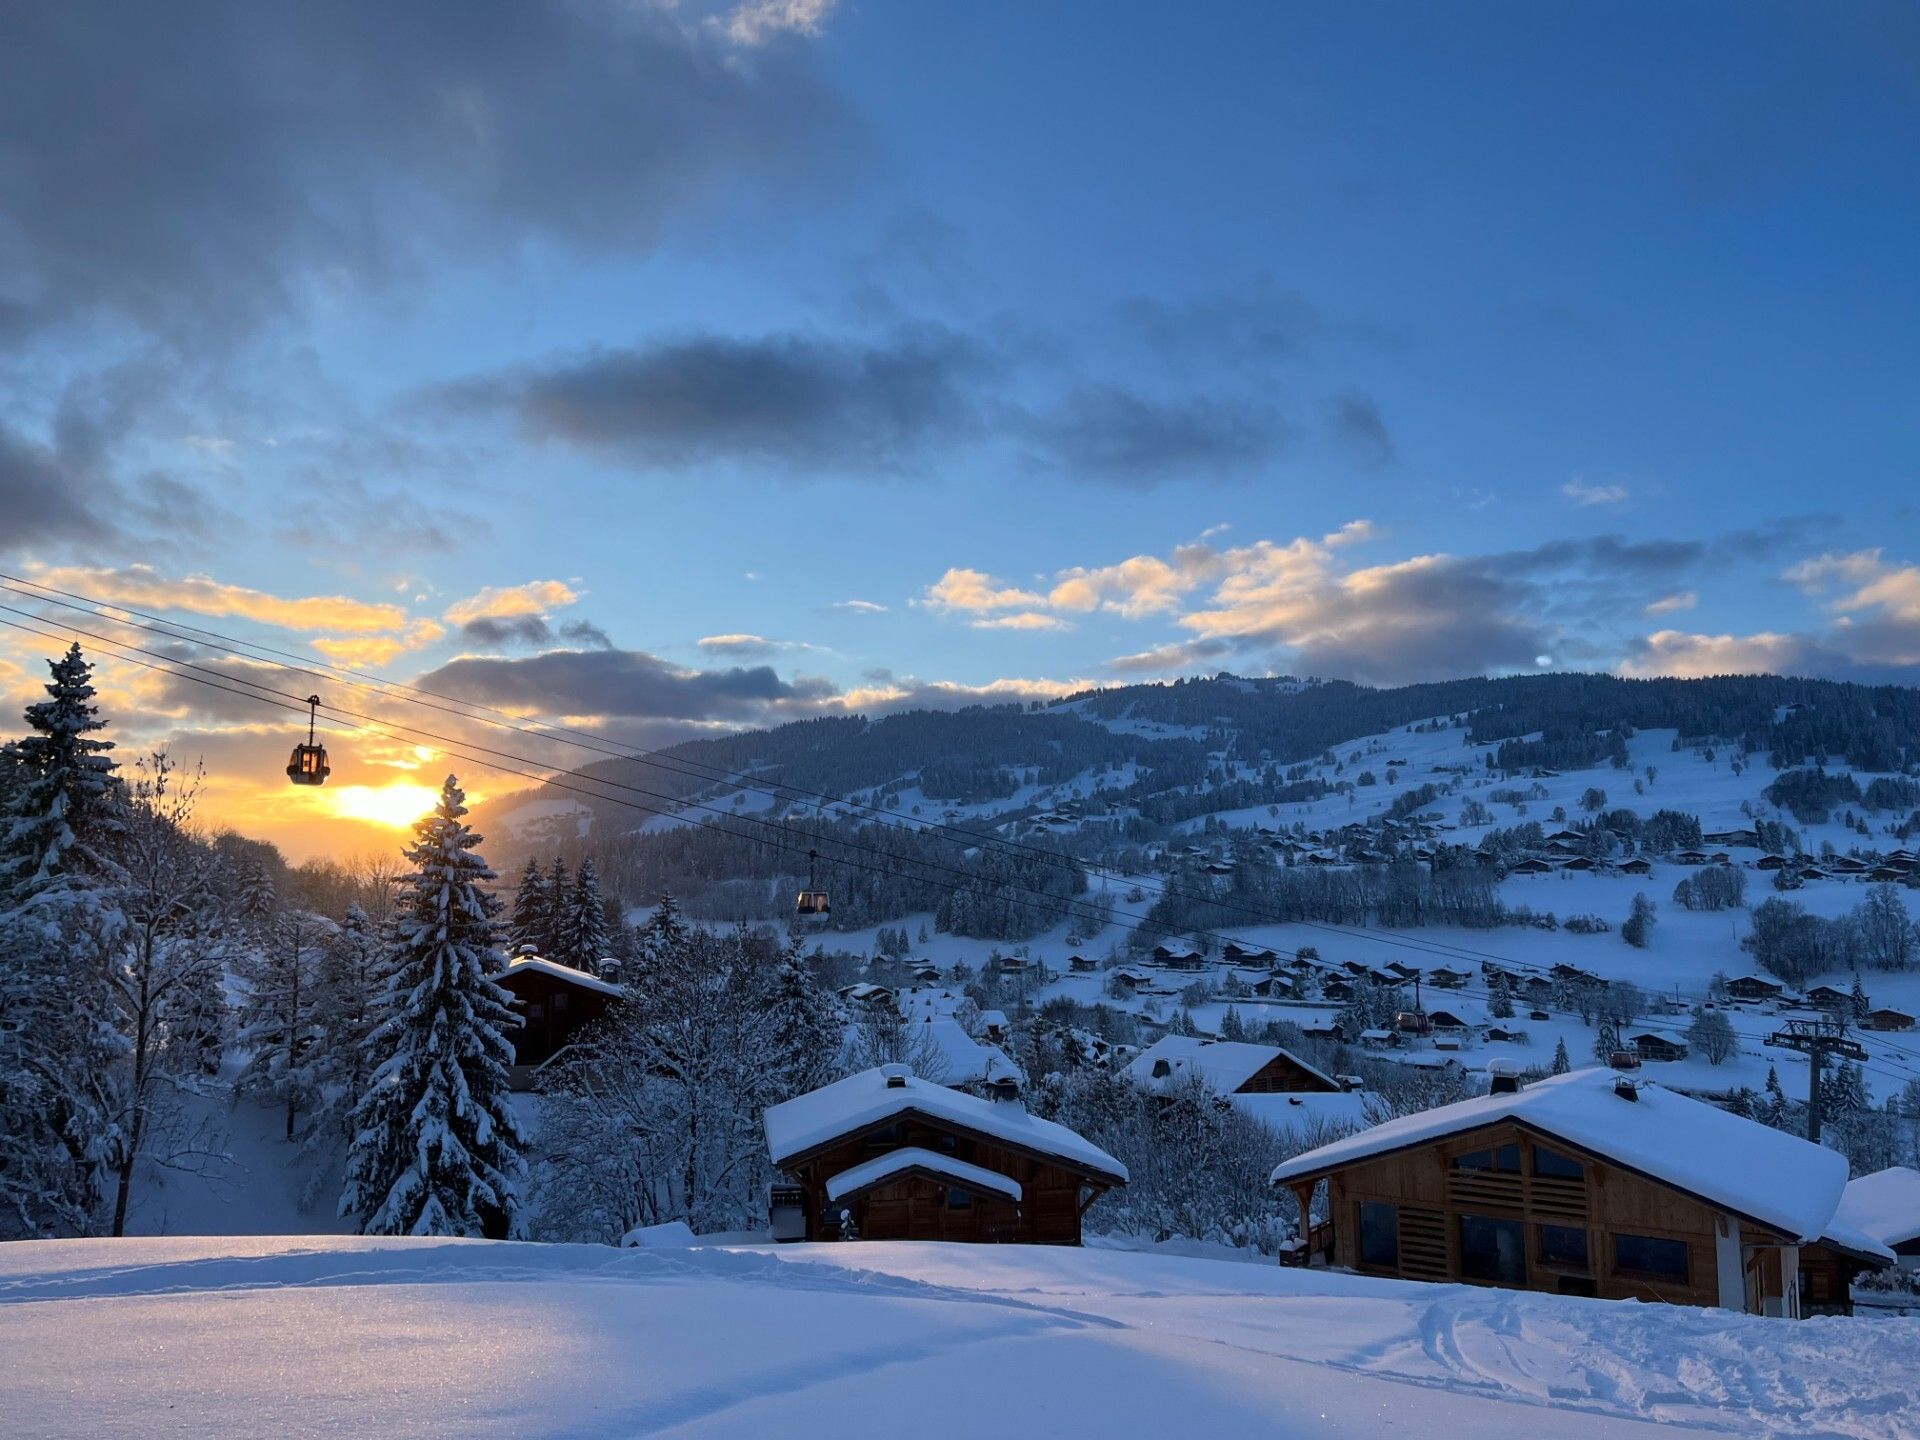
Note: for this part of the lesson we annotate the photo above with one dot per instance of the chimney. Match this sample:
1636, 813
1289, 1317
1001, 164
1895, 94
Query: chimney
1626, 1089
896, 1076
610, 969
1506, 1078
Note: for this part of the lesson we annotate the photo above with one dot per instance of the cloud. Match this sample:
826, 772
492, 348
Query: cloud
1168, 659
1356, 422
506, 602
1259, 322
143, 587
363, 650
1688, 656
756, 22
1582, 493
859, 607
197, 167
621, 684
1024, 620
585, 633
792, 400
1868, 581
745, 645
1120, 436
1679, 600
973, 590
500, 632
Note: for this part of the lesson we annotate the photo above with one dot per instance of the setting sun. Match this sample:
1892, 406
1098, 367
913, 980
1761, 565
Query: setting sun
398, 805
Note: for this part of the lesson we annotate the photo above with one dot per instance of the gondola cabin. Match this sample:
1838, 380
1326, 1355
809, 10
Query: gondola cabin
308, 763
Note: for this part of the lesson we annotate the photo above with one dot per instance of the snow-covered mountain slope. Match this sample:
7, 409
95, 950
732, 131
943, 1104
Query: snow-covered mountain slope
469, 1338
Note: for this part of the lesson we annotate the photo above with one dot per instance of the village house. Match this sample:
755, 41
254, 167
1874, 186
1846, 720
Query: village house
1273, 1085
1885, 1017
1638, 865
865, 995
1082, 964
884, 1155
1130, 980
1754, 988
1589, 1184
1886, 1206
1447, 978
553, 1001
1657, 1044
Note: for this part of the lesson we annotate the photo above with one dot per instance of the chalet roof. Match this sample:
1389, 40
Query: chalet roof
895, 1163
1763, 1174
1226, 1065
1884, 1205
553, 969
807, 1122
968, 1060
1285, 1110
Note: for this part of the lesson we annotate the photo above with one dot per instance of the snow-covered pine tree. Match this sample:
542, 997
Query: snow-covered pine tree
557, 887
532, 911
437, 1149
60, 1053
350, 983
280, 1016
580, 927
809, 1025
1562, 1062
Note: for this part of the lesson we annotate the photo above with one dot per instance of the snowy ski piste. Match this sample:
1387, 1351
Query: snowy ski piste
403, 1338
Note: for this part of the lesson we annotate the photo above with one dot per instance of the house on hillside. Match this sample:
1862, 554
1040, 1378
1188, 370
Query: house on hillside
1082, 964
1231, 1067
553, 1001
1657, 1044
1589, 1183
965, 1063
1771, 862
868, 997
1130, 980
1754, 988
1445, 977
1638, 865
1886, 1018
1234, 953
1886, 1206
883, 1155
1530, 866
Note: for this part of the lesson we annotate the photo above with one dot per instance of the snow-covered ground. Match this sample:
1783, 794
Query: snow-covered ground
319, 1336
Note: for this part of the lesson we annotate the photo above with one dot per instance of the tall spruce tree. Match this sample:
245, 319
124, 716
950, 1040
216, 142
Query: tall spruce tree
532, 911
557, 884
581, 938
437, 1149
60, 1049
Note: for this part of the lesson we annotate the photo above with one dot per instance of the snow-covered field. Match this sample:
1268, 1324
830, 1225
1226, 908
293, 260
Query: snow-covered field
322, 1336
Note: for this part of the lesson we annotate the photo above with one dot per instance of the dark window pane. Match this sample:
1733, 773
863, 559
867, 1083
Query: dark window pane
1563, 1245
1507, 1159
1645, 1255
1474, 1160
1379, 1235
1493, 1250
1546, 1162
958, 1199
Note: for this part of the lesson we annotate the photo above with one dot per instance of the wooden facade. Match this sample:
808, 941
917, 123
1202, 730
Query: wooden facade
924, 1206
1507, 1205
552, 1009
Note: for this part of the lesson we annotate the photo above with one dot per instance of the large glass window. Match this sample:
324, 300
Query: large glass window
1559, 1167
1379, 1235
1655, 1258
1493, 1250
958, 1199
1563, 1245
1503, 1159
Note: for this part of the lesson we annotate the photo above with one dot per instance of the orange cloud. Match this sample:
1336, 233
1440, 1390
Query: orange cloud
507, 602
144, 587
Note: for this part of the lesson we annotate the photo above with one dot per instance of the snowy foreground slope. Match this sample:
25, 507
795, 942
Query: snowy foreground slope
415, 1338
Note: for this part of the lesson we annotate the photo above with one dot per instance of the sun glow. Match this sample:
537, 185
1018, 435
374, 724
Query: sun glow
397, 805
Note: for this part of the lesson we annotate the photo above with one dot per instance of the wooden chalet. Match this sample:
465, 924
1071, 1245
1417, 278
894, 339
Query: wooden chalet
1592, 1184
1231, 1067
1771, 862
883, 1155
1445, 977
1886, 1206
1753, 988
1638, 865
1886, 1017
1657, 1044
553, 1001
1082, 964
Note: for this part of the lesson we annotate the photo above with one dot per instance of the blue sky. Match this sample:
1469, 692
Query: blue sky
1076, 343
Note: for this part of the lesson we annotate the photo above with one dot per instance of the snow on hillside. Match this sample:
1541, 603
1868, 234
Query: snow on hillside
470, 1338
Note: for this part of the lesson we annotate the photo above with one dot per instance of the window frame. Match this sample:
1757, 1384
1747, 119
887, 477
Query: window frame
1462, 1219
1685, 1277
1392, 1211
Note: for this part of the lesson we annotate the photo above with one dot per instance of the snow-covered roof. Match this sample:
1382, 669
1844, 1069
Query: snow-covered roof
895, 1163
534, 965
968, 1060
1884, 1205
1226, 1065
1296, 1109
1758, 1172
821, 1116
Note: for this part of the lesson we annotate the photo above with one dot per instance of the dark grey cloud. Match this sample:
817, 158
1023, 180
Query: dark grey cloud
1134, 440
1257, 322
196, 165
782, 399
627, 684
45, 497
500, 632
586, 634
1355, 421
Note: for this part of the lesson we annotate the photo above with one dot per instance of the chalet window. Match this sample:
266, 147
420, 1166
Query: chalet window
1563, 1245
1655, 1258
1379, 1235
1556, 1166
958, 1199
1502, 1159
560, 1001
536, 1011
1493, 1250
884, 1138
